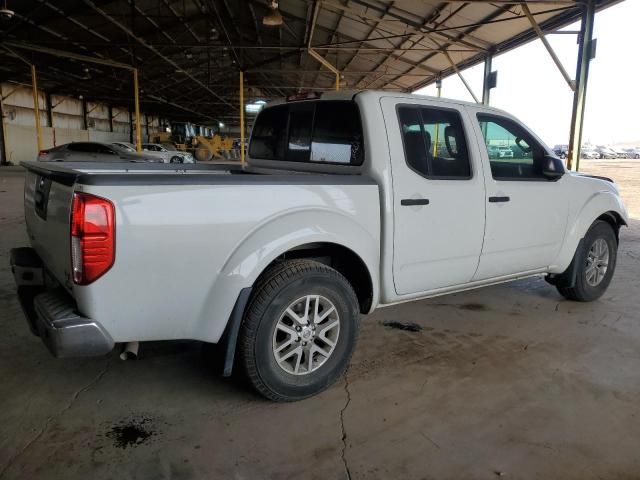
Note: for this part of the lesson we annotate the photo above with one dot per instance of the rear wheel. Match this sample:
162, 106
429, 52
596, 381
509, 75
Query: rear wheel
595, 263
299, 331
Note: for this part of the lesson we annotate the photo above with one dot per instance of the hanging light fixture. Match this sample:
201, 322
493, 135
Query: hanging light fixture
274, 17
7, 14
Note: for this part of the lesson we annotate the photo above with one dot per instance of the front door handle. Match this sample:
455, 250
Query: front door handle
498, 199
414, 201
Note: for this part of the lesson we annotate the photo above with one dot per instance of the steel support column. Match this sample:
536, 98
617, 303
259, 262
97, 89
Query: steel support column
487, 83
3, 143
47, 99
85, 123
130, 125
582, 76
36, 106
136, 101
110, 114
242, 118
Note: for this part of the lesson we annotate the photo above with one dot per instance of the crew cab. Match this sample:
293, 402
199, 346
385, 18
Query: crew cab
350, 201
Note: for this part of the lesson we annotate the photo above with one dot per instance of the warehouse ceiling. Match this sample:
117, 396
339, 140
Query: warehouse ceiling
189, 52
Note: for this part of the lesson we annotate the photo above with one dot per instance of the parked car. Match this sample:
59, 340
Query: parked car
91, 152
561, 151
344, 207
633, 152
620, 152
606, 152
499, 151
158, 151
588, 153
171, 156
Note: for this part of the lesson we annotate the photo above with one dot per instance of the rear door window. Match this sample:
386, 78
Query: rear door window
434, 142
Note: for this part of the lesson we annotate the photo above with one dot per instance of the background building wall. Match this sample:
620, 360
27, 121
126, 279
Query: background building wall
66, 117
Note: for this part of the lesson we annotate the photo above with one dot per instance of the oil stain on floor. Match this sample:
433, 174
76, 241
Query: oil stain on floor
132, 432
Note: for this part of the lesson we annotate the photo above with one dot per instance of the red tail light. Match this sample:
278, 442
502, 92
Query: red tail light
93, 237
42, 153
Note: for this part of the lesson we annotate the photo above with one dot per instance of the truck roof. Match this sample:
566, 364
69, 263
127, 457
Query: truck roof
375, 95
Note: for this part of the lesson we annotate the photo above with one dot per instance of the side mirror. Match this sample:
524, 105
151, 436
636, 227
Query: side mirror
552, 167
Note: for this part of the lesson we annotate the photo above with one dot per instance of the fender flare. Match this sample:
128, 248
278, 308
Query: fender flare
598, 204
271, 239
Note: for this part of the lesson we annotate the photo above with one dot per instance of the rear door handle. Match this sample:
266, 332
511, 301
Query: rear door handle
498, 199
414, 201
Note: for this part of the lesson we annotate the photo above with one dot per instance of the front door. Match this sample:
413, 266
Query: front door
438, 195
526, 212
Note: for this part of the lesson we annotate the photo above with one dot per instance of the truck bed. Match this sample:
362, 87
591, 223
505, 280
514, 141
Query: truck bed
189, 238
126, 173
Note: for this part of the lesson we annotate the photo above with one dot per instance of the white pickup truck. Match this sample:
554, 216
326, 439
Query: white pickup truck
350, 201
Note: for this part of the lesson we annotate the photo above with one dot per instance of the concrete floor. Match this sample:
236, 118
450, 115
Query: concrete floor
509, 381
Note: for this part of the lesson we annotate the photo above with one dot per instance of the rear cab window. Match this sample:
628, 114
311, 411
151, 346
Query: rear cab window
322, 132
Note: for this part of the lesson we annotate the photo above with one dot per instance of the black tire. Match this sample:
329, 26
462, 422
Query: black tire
176, 159
582, 291
273, 293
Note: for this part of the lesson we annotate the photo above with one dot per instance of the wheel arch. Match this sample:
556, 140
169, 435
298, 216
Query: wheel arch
614, 219
603, 205
340, 258
317, 233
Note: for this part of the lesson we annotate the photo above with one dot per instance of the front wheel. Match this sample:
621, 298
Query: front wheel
596, 261
299, 330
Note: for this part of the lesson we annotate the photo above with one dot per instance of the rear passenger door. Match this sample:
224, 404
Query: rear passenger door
438, 195
526, 212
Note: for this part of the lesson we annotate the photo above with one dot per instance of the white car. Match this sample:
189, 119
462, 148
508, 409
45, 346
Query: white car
92, 152
171, 156
633, 152
158, 151
346, 206
496, 152
590, 154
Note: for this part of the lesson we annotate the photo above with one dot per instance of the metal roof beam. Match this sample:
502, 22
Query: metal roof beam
422, 28
499, 11
462, 79
181, 20
547, 45
563, 18
149, 47
364, 42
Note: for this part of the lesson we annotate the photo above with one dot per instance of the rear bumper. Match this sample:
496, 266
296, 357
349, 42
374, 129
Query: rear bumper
51, 312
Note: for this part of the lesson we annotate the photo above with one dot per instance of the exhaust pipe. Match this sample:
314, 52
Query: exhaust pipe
130, 351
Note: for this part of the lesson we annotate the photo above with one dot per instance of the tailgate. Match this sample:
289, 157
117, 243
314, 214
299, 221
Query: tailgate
47, 206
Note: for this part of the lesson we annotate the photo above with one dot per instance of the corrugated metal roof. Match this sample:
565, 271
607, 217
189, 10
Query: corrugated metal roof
189, 52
